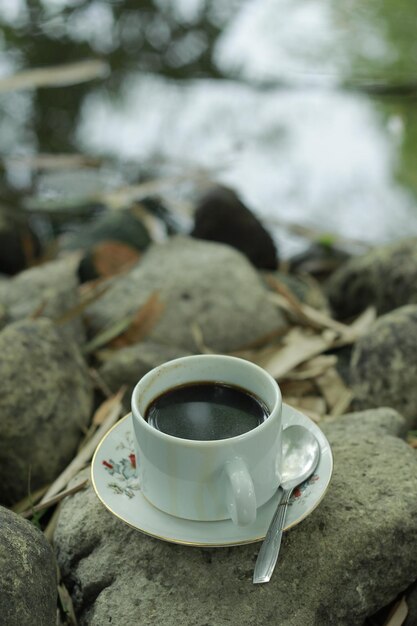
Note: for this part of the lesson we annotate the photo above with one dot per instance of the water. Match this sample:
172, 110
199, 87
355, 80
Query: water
307, 108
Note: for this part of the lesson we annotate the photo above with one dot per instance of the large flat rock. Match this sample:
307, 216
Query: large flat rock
352, 555
202, 285
127, 365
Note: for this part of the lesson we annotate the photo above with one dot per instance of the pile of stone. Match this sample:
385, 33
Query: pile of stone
350, 558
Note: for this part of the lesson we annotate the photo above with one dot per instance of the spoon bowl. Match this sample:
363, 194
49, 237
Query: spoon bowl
300, 456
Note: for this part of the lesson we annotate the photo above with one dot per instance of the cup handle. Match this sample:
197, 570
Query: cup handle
240, 493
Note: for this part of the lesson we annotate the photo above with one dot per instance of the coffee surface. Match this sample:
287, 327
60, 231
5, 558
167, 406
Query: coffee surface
206, 411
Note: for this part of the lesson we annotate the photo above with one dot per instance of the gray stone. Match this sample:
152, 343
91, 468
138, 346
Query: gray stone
128, 365
383, 369
386, 278
28, 574
332, 569
48, 290
205, 285
45, 403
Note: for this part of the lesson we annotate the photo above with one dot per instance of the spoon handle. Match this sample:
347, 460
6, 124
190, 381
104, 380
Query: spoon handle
268, 554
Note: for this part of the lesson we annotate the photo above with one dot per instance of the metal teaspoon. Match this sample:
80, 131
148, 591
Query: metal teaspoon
300, 456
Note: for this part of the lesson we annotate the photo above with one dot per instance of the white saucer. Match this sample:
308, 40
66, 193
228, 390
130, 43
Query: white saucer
113, 475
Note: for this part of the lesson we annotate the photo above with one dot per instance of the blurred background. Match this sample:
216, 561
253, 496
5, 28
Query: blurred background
306, 108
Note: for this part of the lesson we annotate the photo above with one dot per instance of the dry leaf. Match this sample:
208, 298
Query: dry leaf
264, 341
308, 315
316, 417
110, 258
154, 226
54, 161
58, 75
142, 323
198, 337
67, 606
343, 404
131, 329
85, 454
297, 388
398, 614
362, 323
126, 195
46, 504
312, 368
29, 500
100, 383
259, 356
105, 408
299, 346
332, 387
312, 404
109, 333
80, 307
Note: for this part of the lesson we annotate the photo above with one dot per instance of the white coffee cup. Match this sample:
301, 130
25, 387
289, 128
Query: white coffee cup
215, 479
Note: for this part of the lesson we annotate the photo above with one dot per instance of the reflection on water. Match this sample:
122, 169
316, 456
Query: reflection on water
315, 123
305, 153
311, 41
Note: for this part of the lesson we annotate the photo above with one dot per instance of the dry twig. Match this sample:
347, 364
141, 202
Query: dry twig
46, 504
398, 614
55, 76
86, 452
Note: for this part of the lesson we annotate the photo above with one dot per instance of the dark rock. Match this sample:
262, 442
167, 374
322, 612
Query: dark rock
383, 370
221, 216
333, 566
28, 574
45, 404
386, 278
127, 365
203, 286
18, 244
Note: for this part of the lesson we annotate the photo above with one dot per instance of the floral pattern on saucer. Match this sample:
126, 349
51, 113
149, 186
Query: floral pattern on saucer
301, 492
126, 482
124, 470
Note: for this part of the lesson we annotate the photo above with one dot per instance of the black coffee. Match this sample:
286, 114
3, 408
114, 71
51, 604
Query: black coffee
206, 411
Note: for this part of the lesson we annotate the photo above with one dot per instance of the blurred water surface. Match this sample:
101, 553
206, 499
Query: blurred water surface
306, 107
